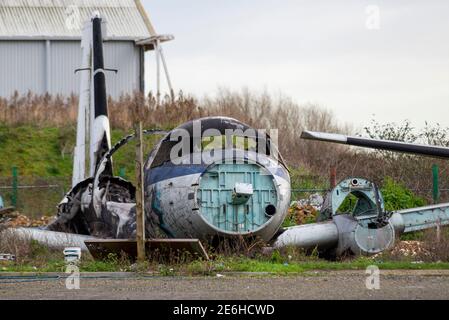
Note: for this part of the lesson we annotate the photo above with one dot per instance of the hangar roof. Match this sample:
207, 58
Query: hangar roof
64, 19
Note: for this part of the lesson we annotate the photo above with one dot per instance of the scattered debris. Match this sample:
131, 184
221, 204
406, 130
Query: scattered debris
315, 200
5, 211
301, 214
7, 257
410, 249
72, 255
19, 221
7, 215
16, 220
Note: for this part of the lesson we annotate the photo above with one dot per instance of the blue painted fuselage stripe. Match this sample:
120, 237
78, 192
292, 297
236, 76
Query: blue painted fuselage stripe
167, 172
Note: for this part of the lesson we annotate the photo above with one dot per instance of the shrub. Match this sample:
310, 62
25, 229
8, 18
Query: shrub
397, 196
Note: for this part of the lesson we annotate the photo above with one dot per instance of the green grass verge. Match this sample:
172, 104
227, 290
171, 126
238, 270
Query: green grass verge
48, 151
44, 156
254, 265
224, 265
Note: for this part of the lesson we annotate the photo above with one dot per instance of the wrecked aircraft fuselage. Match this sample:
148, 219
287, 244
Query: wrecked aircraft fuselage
217, 178
227, 186
207, 179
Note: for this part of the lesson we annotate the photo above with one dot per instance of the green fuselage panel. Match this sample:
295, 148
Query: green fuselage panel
217, 199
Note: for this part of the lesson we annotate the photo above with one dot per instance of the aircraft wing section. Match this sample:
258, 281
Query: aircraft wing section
419, 149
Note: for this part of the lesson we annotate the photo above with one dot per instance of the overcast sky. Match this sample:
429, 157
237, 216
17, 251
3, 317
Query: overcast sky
337, 55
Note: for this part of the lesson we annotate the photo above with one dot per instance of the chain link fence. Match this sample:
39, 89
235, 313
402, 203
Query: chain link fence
36, 197
33, 196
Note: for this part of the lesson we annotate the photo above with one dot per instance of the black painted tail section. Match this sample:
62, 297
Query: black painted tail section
99, 88
99, 78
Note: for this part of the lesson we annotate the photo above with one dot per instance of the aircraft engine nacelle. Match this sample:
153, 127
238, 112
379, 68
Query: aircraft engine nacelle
352, 220
357, 207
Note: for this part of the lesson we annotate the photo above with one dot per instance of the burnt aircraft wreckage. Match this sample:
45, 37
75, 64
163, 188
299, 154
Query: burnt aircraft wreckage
225, 195
211, 179
189, 192
226, 179
368, 228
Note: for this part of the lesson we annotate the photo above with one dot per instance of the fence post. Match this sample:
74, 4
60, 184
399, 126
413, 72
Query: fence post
333, 177
436, 191
122, 173
15, 186
140, 195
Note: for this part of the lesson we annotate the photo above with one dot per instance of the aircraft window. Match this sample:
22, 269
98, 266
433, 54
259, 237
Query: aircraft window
348, 204
219, 142
270, 210
357, 204
163, 153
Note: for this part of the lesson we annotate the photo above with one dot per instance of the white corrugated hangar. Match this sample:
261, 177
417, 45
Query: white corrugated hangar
40, 45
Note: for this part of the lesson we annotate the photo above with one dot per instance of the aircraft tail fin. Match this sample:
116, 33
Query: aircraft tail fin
93, 128
100, 134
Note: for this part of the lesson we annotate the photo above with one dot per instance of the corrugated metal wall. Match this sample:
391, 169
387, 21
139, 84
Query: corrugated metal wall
24, 68
65, 57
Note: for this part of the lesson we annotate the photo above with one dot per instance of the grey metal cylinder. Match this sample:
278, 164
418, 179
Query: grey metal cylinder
321, 235
397, 220
53, 240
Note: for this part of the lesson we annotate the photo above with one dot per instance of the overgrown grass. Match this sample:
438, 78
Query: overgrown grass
43, 157
254, 265
48, 151
35, 258
224, 265
35, 152
258, 109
